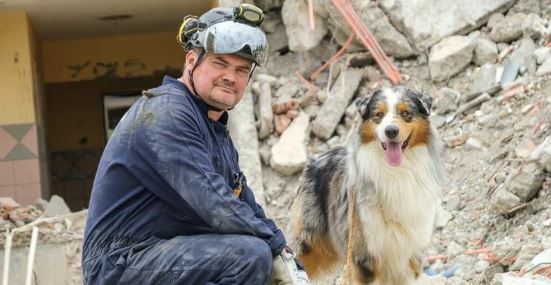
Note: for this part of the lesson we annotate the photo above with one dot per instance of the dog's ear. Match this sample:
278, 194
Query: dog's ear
362, 104
424, 102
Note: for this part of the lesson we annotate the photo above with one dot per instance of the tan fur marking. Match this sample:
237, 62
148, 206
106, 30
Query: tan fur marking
381, 107
401, 106
321, 256
367, 132
320, 259
421, 131
418, 129
415, 266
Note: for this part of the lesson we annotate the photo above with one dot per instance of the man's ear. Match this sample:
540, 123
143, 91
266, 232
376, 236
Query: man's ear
190, 59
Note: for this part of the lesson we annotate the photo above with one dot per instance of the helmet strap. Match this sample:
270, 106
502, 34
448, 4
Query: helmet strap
200, 57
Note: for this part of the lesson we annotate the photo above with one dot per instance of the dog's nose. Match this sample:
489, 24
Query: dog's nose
391, 132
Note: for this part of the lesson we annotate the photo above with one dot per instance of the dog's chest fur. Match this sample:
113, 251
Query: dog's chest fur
397, 205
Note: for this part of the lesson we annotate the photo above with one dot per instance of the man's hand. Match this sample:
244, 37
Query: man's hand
285, 271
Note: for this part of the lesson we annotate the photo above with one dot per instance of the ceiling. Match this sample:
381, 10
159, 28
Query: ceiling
70, 19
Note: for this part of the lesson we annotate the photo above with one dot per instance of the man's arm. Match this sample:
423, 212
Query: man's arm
248, 197
183, 161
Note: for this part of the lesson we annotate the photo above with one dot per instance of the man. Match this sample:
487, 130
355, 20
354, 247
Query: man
169, 203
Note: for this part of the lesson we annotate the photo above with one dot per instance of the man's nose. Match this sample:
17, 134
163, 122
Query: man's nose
230, 75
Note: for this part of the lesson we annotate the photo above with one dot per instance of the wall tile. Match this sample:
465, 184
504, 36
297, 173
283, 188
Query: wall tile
27, 194
18, 131
20, 152
30, 140
73, 189
57, 188
59, 166
88, 163
7, 175
7, 191
7, 143
27, 171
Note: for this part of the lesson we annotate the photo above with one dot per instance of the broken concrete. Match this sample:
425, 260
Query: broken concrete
50, 266
545, 67
450, 56
242, 128
527, 182
289, 155
508, 29
56, 206
446, 101
545, 156
391, 41
485, 51
484, 79
542, 54
278, 40
265, 5
504, 201
297, 24
265, 114
436, 22
524, 51
334, 107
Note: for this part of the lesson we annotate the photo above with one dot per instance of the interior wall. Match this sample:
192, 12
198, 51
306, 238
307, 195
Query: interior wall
23, 163
16, 70
110, 57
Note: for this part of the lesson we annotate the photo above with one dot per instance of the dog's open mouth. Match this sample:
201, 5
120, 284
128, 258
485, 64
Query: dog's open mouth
394, 151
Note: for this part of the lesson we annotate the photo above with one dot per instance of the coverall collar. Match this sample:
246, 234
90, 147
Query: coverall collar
168, 80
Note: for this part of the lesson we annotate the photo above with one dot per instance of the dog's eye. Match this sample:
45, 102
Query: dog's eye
379, 115
405, 114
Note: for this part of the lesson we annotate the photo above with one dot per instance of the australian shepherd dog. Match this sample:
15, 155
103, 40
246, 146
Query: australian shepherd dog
371, 204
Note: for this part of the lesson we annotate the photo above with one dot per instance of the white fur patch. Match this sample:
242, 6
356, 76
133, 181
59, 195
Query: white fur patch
391, 99
399, 213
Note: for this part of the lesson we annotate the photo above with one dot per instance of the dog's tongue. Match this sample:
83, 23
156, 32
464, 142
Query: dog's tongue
394, 153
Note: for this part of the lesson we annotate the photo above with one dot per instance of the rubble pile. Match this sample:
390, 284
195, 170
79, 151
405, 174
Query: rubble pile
56, 225
487, 67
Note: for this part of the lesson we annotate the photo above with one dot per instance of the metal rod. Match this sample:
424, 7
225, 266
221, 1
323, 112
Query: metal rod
30, 260
7, 249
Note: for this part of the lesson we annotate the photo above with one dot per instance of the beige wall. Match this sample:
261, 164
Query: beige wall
17, 74
114, 57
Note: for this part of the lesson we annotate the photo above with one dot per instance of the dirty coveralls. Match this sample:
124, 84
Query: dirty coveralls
163, 210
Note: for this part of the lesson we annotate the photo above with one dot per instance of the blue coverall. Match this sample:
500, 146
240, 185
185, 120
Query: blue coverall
163, 209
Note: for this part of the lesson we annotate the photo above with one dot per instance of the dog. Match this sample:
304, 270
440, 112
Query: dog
372, 203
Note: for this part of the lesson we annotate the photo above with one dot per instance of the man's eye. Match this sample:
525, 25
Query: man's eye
243, 71
219, 64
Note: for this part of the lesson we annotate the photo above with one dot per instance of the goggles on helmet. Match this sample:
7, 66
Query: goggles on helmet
231, 37
249, 13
